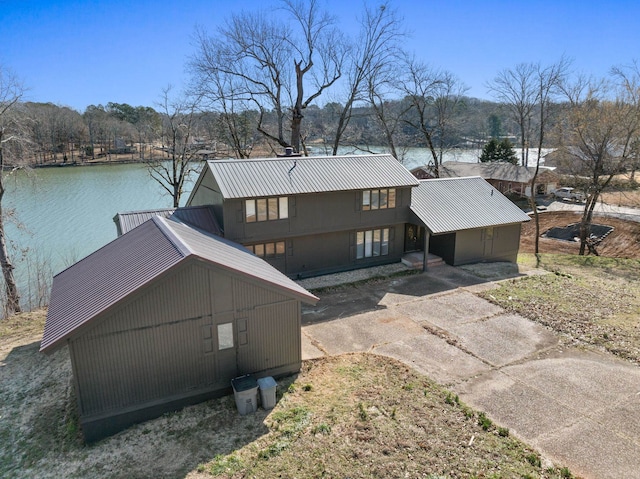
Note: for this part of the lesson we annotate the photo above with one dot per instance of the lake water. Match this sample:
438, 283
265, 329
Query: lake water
67, 213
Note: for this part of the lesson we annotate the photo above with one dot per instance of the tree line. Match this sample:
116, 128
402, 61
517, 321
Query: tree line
290, 78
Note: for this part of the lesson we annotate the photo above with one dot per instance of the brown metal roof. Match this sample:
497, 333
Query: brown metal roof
445, 205
253, 178
199, 216
109, 275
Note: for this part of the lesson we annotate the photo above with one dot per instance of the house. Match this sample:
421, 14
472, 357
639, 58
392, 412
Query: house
165, 316
507, 178
313, 215
466, 220
185, 299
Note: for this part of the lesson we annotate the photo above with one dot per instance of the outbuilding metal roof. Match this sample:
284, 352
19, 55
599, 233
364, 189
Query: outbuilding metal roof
199, 216
445, 205
109, 275
254, 178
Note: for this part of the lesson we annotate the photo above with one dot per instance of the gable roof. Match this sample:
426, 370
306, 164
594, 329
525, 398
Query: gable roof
445, 205
104, 278
252, 178
199, 216
495, 170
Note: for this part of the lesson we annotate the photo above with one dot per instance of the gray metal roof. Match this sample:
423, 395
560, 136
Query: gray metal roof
445, 205
115, 271
316, 174
494, 170
199, 216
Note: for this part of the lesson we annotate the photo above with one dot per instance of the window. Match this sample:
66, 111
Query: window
225, 336
268, 250
266, 209
262, 209
379, 199
372, 243
251, 211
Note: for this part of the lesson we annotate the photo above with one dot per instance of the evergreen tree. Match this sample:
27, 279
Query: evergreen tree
498, 151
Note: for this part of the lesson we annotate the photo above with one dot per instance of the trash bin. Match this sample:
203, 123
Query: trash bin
245, 392
267, 392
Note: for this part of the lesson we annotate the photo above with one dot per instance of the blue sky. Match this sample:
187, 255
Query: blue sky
76, 53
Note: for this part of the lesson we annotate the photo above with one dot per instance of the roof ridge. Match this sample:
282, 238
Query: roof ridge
163, 225
285, 158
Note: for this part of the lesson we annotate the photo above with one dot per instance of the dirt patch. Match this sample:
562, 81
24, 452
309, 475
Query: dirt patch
623, 242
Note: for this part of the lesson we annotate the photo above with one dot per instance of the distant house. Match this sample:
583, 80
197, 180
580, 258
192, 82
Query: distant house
165, 316
466, 220
507, 178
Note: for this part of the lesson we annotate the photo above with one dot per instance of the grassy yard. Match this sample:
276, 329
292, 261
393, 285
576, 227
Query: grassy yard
362, 416
354, 416
588, 299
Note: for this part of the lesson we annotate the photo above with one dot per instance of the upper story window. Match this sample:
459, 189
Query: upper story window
266, 209
379, 199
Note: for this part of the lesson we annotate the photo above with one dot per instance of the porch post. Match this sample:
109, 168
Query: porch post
426, 250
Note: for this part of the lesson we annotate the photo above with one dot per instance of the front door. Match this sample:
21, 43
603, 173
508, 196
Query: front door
226, 345
413, 240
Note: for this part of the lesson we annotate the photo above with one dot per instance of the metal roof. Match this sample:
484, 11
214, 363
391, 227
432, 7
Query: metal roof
199, 216
128, 220
254, 178
112, 273
494, 170
445, 205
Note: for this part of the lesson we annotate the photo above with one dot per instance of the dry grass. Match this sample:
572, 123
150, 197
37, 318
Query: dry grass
623, 242
589, 299
629, 198
362, 416
349, 416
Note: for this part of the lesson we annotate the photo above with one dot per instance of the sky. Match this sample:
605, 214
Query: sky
78, 53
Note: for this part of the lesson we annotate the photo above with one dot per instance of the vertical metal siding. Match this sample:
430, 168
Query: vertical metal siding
149, 349
248, 295
274, 338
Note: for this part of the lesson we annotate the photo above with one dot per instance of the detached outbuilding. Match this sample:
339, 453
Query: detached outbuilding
165, 316
466, 220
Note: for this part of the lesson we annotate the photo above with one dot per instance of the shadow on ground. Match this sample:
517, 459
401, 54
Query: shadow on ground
345, 300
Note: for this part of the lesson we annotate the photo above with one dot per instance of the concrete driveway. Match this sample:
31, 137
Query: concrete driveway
579, 408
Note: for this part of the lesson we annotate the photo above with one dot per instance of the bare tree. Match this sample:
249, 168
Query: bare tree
548, 81
434, 97
516, 88
11, 145
179, 116
389, 114
274, 60
602, 127
226, 95
375, 52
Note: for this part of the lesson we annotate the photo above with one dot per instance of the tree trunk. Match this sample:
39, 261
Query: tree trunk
296, 113
11, 289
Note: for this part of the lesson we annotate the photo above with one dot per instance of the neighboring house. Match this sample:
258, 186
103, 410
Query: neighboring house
313, 215
507, 178
467, 220
165, 316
